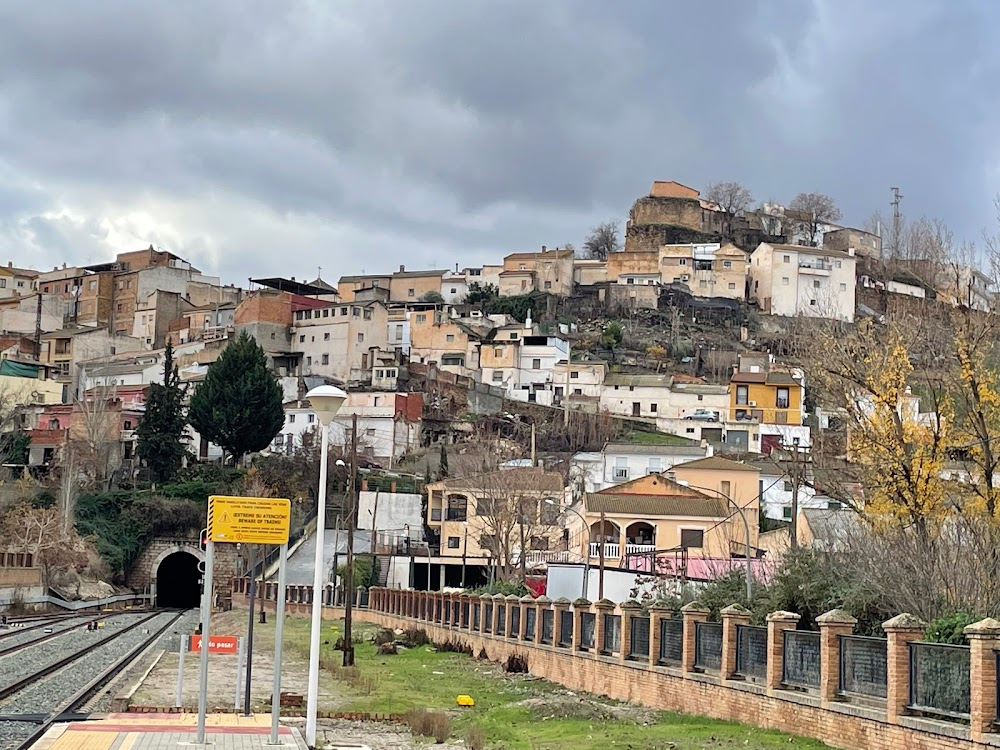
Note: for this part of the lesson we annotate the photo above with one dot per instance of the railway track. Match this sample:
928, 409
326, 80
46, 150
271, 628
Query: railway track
62, 687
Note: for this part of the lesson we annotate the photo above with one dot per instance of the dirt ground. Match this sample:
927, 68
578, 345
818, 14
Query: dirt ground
337, 733
160, 687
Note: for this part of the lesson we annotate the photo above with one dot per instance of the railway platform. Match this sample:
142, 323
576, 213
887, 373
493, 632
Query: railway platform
167, 732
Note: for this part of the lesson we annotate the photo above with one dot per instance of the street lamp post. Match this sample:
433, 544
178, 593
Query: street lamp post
746, 530
586, 552
325, 401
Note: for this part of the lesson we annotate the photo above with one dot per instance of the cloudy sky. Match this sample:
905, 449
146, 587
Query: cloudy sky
264, 137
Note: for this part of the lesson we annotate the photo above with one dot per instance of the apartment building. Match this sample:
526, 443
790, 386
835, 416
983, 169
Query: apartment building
341, 341
708, 269
452, 343
794, 280
64, 349
527, 366
622, 462
772, 397
549, 271
17, 282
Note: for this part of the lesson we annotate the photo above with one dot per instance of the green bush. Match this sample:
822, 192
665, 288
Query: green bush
950, 628
505, 588
366, 570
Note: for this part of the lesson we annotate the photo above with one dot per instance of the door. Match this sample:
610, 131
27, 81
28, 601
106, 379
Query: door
635, 408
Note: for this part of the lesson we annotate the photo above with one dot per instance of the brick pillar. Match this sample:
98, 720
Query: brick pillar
984, 641
899, 631
603, 607
656, 613
629, 610
559, 606
358, 593
542, 604
511, 602
580, 606
526, 603
777, 624
732, 616
691, 613
832, 625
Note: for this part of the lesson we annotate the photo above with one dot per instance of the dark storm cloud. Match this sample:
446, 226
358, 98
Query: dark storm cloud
260, 136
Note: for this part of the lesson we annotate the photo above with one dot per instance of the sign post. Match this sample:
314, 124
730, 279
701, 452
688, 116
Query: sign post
250, 520
239, 672
179, 701
279, 626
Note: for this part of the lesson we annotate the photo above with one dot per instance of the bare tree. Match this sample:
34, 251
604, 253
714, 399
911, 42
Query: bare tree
94, 445
43, 533
603, 240
732, 198
770, 221
815, 209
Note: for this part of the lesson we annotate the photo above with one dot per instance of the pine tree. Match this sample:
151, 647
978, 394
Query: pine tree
443, 466
239, 404
162, 425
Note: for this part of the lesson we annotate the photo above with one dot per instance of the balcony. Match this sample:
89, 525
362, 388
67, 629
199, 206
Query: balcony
639, 549
610, 550
816, 268
48, 437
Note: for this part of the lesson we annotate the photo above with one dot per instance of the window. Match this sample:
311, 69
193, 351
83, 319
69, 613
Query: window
577, 391
326, 312
787, 486
726, 488
521, 266
513, 336
786, 512
454, 290
548, 284
727, 264
782, 398
291, 419
325, 359
834, 505
742, 395
536, 364
91, 285
309, 360
421, 318
815, 283
574, 375
370, 432
692, 538
399, 333
361, 338
630, 280
682, 261
326, 336
784, 281
732, 285
128, 425
498, 376
308, 314
497, 352
652, 408
367, 314
343, 311
655, 465
453, 542
355, 312
786, 259
539, 543
621, 467
812, 302
702, 283
311, 418
843, 287
410, 292
302, 339
450, 338
836, 264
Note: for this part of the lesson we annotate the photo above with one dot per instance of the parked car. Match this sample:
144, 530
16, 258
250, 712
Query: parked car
703, 415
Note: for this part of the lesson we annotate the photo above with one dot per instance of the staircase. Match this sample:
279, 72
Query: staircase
384, 561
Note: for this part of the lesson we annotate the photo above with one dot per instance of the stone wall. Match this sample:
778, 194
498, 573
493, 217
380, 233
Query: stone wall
142, 576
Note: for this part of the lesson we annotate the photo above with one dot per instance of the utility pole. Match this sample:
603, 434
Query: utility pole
352, 504
38, 328
253, 593
897, 220
534, 454
569, 366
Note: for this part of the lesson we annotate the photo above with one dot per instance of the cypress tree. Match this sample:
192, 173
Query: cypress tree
443, 465
239, 404
162, 425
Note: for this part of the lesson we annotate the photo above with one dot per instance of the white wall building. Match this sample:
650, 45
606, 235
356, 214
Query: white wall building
623, 462
794, 280
635, 395
454, 287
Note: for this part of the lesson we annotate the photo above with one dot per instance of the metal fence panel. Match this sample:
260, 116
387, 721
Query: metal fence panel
671, 640
638, 638
751, 651
530, 618
800, 661
566, 629
863, 668
488, 618
477, 611
588, 626
612, 634
939, 679
501, 619
548, 625
708, 645
515, 621
465, 615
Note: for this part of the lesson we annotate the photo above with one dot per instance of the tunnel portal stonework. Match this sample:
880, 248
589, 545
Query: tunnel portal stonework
142, 576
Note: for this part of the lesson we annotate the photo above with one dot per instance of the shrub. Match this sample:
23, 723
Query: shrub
506, 588
475, 738
414, 637
424, 723
949, 629
516, 664
454, 647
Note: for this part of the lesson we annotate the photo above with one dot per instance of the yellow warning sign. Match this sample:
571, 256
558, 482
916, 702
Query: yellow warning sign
251, 520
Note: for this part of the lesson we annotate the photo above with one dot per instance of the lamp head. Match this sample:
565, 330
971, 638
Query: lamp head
326, 401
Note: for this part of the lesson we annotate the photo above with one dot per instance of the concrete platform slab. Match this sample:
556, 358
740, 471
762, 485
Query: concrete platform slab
167, 732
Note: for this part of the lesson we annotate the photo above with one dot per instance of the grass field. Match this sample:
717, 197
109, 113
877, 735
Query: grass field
518, 712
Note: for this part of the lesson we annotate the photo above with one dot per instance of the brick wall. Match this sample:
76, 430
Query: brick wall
821, 712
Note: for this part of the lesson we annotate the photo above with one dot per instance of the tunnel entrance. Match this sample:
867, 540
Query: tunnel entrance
177, 581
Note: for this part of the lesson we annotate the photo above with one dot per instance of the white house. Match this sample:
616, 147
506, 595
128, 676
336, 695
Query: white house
725, 435
635, 395
623, 462
777, 491
794, 280
454, 287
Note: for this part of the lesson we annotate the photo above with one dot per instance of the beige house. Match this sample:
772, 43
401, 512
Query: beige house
341, 341
17, 282
412, 286
797, 280
477, 516
450, 342
348, 286
549, 271
587, 272
864, 244
656, 513
709, 270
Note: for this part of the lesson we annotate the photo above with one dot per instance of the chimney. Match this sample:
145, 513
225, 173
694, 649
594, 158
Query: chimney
527, 322
401, 268
543, 248
64, 266
10, 264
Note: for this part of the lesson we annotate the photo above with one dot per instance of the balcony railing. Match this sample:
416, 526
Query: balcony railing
638, 549
610, 550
